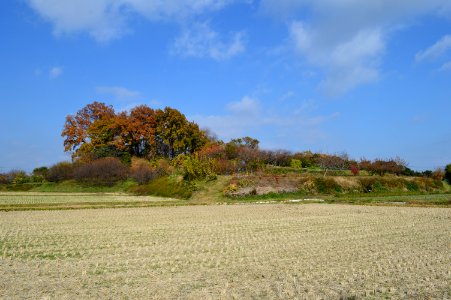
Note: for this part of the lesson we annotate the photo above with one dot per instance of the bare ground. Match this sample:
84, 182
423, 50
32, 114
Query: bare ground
227, 251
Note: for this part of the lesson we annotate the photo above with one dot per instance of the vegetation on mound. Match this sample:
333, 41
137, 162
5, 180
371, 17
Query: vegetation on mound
308, 184
159, 152
172, 187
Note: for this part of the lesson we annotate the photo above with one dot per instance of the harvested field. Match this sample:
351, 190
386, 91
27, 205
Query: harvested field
30, 200
227, 251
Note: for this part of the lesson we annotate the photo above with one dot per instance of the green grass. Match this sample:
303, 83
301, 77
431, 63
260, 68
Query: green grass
172, 190
171, 186
409, 199
71, 186
267, 197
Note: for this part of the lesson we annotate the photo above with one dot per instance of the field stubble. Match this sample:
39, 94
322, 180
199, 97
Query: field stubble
227, 251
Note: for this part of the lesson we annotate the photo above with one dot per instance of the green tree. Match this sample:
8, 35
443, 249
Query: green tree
448, 173
175, 135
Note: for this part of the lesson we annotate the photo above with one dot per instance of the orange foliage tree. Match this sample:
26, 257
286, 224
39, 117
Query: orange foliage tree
97, 131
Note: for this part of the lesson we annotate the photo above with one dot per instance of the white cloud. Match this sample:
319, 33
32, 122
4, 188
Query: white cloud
346, 39
446, 66
247, 105
55, 72
106, 20
118, 92
247, 117
102, 19
348, 63
435, 51
199, 40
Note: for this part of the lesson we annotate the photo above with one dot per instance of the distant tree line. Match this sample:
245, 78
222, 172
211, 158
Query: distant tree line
145, 144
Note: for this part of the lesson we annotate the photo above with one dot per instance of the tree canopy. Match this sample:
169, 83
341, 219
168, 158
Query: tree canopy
97, 131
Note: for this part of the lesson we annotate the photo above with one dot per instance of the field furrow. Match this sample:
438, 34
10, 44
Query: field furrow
227, 251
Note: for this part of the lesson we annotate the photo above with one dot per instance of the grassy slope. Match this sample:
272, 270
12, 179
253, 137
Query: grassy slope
210, 192
69, 195
73, 187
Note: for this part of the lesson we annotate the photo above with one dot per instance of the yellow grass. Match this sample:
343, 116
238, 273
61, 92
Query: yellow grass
227, 251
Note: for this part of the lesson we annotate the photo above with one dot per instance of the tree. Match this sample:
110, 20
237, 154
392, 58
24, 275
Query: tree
448, 173
175, 135
77, 128
141, 131
96, 131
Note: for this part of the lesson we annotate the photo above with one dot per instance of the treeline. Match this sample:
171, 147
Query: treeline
145, 144
97, 131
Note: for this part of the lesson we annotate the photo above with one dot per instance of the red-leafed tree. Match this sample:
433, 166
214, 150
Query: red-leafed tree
96, 131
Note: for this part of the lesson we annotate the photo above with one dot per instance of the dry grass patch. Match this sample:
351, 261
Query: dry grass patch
227, 251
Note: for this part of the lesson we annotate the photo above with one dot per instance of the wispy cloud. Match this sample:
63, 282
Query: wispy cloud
248, 116
345, 39
106, 20
438, 50
199, 40
247, 105
446, 66
55, 72
287, 95
119, 93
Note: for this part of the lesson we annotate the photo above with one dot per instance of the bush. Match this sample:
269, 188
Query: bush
195, 168
164, 187
327, 185
224, 166
8, 178
142, 171
296, 163
104, 171
4, 179
381, 167
41, 171
20, 177
60, 172
438, 174
448, 173
355, 170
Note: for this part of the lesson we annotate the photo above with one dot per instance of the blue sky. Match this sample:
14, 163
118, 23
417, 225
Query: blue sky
370, 78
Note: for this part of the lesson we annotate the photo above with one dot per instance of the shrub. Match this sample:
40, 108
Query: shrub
165, 187
448, 173
327, 185
195, 168
279, 158
307, 158
4, 179
412, 186
296, 163
103, 171
163, 166
230, 189
41, 171
60, 172
355, 170
381, 167
142, 171
8, 178
20, 177
224, 166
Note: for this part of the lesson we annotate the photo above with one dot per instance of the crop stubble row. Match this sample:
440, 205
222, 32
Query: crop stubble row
263, 251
